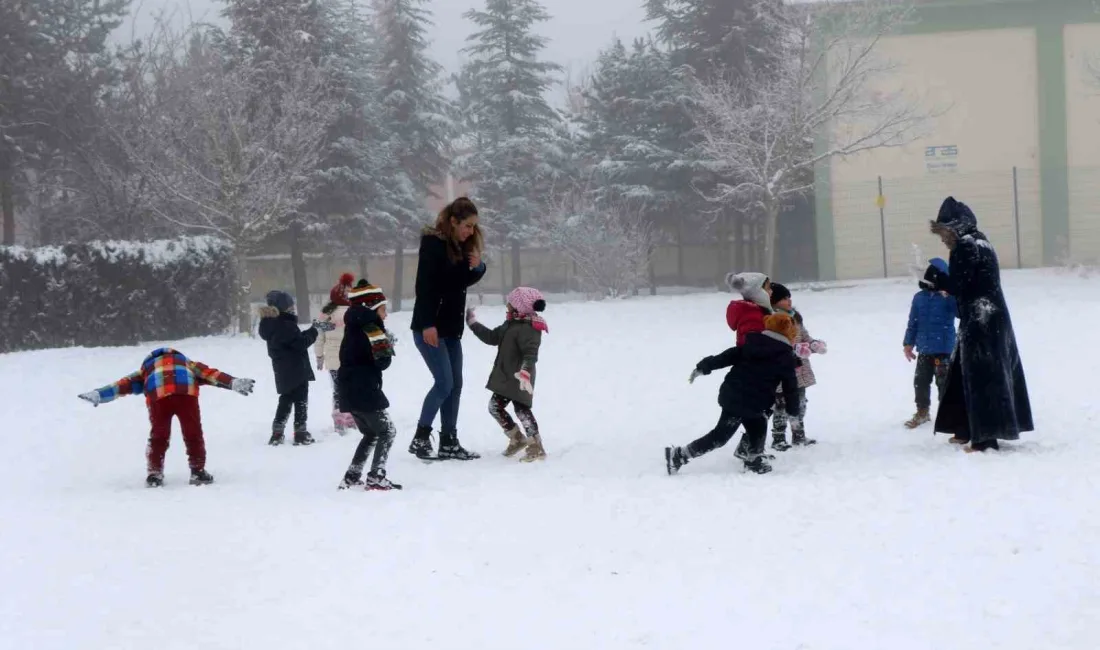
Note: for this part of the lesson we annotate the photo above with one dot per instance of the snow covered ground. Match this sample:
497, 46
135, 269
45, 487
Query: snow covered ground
877, 538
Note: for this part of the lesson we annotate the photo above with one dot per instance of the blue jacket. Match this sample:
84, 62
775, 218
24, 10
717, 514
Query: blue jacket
932, 323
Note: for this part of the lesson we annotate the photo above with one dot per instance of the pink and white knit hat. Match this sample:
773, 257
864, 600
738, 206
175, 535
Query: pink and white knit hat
528, 302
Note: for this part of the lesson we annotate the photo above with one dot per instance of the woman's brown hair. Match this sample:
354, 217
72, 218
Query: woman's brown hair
460, 210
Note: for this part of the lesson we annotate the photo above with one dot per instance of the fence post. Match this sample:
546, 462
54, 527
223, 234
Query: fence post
881, 201
1016, 216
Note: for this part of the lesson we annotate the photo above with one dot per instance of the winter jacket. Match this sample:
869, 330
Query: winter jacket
359, 380
765, 361
517, 343
985, 397
288, 347
745, 317
931, 327
441, 286
165, 372
805, 371
327, 347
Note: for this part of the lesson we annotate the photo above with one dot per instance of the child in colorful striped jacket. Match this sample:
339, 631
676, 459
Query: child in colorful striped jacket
170, 382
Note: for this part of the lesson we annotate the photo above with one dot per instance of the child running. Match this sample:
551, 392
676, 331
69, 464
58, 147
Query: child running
327, 347
746, 316
931, 332
766, 360
367, 350
170, 382
512, 380
805, 345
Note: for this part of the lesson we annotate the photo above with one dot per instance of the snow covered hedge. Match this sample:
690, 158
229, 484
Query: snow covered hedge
113, 293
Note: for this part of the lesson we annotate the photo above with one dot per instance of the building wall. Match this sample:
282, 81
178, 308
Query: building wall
1082, 48
984, 84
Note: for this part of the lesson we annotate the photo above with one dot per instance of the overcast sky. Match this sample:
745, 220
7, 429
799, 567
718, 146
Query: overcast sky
578, 30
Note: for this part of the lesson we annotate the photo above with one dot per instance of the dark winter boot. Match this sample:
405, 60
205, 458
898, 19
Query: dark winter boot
799, 439
351, 479
421, 445
779, 442
277, 438
451, 449
155, 479
758, 465
922, 416
379, 482
675, 458
303, 438
742, 452
201, 477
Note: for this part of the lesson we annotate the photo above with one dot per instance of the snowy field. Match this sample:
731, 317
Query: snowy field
878, 538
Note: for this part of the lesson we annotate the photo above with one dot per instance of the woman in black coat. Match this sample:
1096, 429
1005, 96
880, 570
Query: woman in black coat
985, 397
449, 263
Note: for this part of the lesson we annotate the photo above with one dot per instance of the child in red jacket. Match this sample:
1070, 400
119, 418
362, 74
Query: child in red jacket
170, 382
746, 316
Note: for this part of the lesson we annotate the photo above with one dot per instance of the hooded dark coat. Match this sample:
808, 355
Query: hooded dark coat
985, 397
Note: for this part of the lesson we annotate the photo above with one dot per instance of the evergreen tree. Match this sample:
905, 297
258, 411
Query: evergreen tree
521, 149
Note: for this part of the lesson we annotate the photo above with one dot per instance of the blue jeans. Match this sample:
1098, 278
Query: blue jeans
445, 364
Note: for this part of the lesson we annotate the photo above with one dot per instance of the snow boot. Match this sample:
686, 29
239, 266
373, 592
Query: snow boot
156, 479
742, 451
779, 441
421, 445
201, 477
675, 458
303, 438
277, 438
451, 449
379, 483
516, 442
535, 450
799, 439
758, 465
351, 479
922, 416
958, 440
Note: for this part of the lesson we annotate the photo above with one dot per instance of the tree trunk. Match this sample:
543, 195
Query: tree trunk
7, 203
651, 263
301, 278
242, 299
725, 264
681, 277
398, 275
771, 229
517, 275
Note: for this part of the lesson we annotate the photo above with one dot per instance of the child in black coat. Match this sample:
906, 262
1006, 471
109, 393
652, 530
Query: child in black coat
366, 351
765, 361
288, 348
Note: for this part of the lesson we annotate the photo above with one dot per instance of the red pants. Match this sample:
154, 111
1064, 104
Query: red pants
186, 408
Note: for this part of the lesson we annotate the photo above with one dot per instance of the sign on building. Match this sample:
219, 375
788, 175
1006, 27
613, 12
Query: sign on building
943, 159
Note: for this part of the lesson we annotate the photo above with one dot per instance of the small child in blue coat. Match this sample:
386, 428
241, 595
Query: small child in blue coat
931, 332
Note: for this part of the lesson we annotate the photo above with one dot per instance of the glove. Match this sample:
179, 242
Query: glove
818, 347
471, 316
242, 385
320, 363
694, 374
391, 337
802, 350
324, 325
91, 396
525, 384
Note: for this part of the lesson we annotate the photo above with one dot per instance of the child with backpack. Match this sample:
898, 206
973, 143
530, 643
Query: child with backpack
512, 380
367, 351
327, 348
288, 347
804, 346
170, 382
765, 361
931, 333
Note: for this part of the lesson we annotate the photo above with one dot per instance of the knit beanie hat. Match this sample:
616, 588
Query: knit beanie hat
280, 300
782, 324
779, 293
528, 302
365, 293
750, 286
339, 293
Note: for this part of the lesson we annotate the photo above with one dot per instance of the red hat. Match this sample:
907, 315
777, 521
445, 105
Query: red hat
339, 293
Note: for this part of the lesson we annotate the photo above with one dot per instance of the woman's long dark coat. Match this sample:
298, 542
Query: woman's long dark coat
985, 397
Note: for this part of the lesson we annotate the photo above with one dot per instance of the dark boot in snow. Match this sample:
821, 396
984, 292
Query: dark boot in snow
351, 479
742, 452
799, 439
277, 439
979, 447
675, 458
303, 438
922, 416
156, 479
779, 442
201, 477
451, 449
758, 465
421, 445
379, 483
